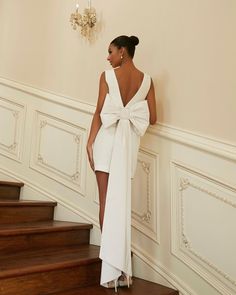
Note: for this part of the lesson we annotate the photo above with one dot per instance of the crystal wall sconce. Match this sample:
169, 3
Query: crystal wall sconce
85, 21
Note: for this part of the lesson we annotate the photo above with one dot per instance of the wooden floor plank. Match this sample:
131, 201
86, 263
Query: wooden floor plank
139, 287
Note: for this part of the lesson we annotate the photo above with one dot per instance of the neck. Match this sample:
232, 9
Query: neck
127, 63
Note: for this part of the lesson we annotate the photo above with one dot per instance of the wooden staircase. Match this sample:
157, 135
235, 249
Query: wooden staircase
41, 256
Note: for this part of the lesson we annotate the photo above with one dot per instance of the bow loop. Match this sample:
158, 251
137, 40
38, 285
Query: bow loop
137, 114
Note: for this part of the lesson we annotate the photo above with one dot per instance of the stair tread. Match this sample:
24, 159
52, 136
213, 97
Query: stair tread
139, 287
33, 261
41, 226
11, 203
11, 183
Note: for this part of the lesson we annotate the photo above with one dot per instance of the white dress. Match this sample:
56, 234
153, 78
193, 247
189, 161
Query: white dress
115, 151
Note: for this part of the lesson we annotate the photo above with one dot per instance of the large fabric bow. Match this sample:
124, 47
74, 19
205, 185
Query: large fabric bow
116, 233
137, 114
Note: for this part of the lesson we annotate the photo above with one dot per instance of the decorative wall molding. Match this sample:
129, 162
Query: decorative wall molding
96, 194
71, 103
65, 162
199, 141
155, 264
12, 115
187, 185
145, 195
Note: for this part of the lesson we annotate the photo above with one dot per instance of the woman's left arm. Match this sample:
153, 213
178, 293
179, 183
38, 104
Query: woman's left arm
152, 104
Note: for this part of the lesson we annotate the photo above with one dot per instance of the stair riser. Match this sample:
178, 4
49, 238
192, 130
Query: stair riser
38, 240
9, 192
52, 281
19, 214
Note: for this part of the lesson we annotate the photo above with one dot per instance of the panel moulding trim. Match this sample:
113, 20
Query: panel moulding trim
49, 96
14, 150
162, 271
184, 184
211, 145
15, 114
37, 163
199, 141
141, 221
207, 270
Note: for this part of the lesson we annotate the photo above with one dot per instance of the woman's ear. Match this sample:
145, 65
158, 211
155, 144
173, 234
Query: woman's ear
122, 50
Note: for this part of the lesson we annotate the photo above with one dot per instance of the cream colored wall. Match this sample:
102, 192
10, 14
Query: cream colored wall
188, 47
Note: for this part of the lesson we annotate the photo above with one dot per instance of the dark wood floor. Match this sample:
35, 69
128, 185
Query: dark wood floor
139, 287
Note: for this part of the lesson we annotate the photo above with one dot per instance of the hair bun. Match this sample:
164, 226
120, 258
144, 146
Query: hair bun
134, 40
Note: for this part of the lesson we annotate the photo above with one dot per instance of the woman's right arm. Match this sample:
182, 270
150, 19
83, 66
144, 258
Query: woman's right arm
152, 104
96, 122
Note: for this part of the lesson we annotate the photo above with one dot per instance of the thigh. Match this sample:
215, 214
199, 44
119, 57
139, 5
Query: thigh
102, 181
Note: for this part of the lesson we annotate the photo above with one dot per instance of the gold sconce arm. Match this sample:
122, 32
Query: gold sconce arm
85, 21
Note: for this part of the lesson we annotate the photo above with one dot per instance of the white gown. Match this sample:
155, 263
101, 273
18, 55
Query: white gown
115, 151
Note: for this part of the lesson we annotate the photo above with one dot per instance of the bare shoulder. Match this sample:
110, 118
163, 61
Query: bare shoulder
102, 76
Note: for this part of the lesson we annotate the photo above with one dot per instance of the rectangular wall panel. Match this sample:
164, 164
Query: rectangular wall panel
203, 226
12, 117
58, 151
145, 195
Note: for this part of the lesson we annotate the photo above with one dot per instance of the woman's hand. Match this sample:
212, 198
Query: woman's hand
90, 155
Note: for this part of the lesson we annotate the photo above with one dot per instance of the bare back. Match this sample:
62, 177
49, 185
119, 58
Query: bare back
129, 81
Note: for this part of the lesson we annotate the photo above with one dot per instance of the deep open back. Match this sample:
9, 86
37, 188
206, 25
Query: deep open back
119, 90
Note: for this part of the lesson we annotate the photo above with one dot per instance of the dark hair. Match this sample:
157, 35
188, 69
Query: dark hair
128, 42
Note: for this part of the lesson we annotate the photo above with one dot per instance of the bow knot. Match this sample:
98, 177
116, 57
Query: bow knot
124, 114
137, 114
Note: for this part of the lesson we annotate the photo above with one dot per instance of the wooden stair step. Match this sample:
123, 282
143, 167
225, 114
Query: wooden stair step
4, 202
10, 190
23, 236
49, 270
16, 211
32, 261
139, 287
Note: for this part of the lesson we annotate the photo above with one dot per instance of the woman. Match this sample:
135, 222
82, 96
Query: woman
126, 106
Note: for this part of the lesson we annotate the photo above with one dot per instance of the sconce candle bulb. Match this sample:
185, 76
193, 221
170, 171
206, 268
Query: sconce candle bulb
85, 21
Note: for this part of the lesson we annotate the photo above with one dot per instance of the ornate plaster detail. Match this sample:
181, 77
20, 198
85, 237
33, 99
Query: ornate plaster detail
13, 146
75, 177
40, 159
77, 139
184, 184
146, 217
15, 114
43, 124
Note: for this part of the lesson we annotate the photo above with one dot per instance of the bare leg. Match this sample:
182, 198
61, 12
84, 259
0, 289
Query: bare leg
102, 181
